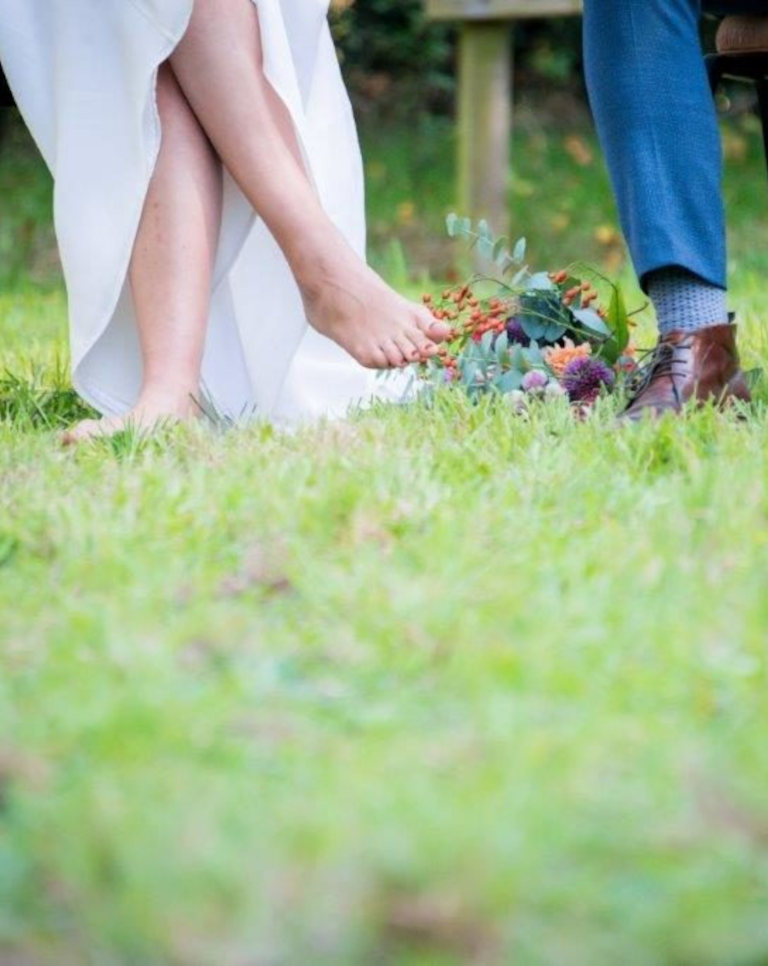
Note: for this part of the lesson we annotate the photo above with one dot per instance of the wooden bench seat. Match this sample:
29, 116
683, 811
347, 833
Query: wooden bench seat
743, 35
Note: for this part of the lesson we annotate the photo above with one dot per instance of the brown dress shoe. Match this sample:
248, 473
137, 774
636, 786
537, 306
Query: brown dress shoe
701, 366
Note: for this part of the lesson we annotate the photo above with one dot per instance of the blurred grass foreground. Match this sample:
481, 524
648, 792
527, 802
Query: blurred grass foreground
431, 686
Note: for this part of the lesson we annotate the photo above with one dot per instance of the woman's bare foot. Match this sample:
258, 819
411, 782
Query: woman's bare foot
148, 415
348, 302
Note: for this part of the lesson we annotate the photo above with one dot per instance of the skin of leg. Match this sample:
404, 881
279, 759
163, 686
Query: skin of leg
219, 66
657, 122
171, 268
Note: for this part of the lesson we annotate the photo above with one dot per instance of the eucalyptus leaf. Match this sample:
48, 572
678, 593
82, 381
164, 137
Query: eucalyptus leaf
539, 330
510, 381
533, 355
519, 277
540, 282
500, 252
485, 246
592, 321
486, 344
469, 373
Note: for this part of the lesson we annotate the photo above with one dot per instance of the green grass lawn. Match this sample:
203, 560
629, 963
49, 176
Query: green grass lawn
433, 686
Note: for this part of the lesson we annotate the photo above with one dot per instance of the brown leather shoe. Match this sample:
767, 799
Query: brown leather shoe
701, 366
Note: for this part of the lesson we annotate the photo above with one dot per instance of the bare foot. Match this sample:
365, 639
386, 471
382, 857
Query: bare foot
350, 304
146, 417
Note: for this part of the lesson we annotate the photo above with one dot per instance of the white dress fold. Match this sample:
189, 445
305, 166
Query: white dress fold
84, 74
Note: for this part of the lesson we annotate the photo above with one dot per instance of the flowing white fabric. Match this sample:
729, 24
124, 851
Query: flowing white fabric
84, 75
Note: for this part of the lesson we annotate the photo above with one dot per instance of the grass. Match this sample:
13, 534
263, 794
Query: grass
427, 687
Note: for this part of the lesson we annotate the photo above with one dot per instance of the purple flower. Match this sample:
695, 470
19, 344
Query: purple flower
584, 378
516, 333
535, 380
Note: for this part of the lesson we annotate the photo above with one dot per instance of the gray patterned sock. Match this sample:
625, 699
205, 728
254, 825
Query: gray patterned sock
685, 301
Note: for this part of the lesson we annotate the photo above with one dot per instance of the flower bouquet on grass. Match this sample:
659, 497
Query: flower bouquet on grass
527, 335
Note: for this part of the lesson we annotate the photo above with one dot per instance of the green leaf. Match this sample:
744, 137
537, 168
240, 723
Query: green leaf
510, 381
484, 229
519, 250
452, 223
500, 253
502, 346
618, 319
754, 377
618, 324
485, 240
518, 278
540, 282
486, 344
533, 355
542, 330
592, 321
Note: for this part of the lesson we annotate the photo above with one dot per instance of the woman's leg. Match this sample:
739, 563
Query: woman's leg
219, 67
171, 268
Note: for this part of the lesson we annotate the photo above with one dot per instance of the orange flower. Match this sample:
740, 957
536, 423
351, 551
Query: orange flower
558, 357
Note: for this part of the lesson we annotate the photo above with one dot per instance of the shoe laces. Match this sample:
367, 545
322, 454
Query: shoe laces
665, 362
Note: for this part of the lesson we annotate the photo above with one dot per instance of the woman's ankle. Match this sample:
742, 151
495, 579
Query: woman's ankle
179, 402
321, 257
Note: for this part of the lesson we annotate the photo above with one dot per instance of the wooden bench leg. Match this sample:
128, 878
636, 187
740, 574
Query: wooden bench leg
485, 122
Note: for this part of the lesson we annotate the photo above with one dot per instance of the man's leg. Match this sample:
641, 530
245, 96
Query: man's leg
657, 121
656, 118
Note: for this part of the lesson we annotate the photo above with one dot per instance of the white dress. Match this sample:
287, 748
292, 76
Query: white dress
84, 74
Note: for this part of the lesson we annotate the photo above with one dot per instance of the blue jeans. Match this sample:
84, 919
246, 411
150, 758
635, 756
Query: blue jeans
657, 122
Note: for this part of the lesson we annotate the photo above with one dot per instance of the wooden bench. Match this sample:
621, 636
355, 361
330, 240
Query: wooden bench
485, 95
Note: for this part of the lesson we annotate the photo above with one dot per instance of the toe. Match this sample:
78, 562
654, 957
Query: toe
429, 325
373, 358
393, 353
78, 433
409, 346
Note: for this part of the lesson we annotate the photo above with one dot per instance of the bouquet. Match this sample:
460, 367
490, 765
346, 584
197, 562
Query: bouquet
527, 334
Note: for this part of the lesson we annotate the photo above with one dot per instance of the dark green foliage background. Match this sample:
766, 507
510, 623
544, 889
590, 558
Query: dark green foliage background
394, 38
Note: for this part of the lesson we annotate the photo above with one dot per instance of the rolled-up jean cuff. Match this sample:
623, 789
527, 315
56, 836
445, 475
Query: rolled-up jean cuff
707, 272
